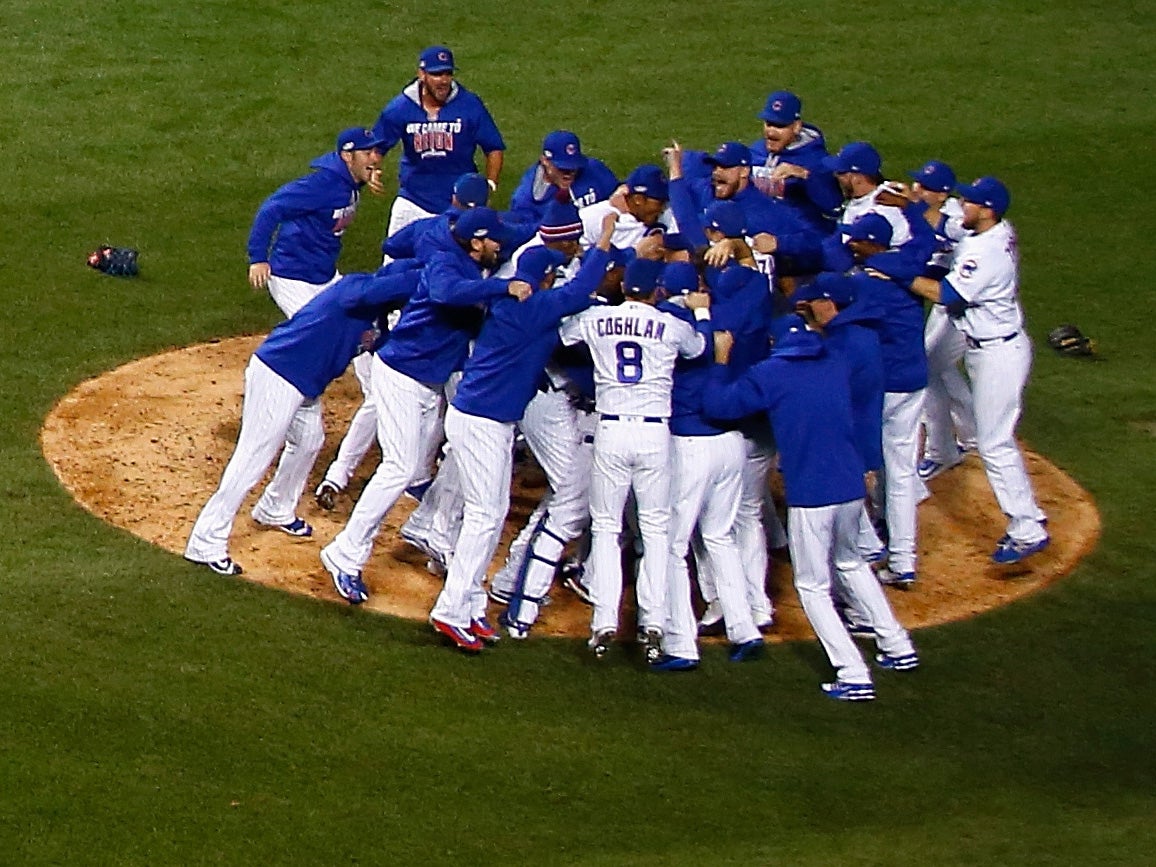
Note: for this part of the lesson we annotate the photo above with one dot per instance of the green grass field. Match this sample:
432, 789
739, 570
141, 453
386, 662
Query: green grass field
150, 714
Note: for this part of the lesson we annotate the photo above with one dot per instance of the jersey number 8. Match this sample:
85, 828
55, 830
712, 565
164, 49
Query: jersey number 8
629, 361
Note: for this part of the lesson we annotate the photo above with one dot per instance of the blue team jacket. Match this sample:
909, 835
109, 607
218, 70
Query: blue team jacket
900, 325
308, 216
315, 345
594, 183
853, 334
808, 399
432, 338
436, 152
740, 304
516, 341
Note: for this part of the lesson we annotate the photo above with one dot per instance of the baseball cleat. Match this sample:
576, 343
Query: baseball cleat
877, 559
747, 650
902, 662
499, 595
483, 629
842, 691
348, 585
666, 662
764, 620
420, 543
571, 573
465, 640
711, 622
416, 492
226, 566
296, 527
651, 640
326, 495
901, 580
929, 468
600, 642
516, 629
1010, 551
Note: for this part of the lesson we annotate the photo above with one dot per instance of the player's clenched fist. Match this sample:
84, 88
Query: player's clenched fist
520, 289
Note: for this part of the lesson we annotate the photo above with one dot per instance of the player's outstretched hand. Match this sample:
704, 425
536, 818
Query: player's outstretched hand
259, 275
673, 157
724, 342
520, 289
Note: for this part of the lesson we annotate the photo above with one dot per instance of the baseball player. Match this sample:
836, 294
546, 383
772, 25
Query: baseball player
562, 173
295, 239
948, 411
429, 342
775, 233
806, 392
646, 213
981, 295
434, 525
498, 381
634, 347
440, 125
419, 240
283, 382
707, 460
787, 163
905, 377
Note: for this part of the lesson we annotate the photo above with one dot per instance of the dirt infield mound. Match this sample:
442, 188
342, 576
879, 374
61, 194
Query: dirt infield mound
143, 447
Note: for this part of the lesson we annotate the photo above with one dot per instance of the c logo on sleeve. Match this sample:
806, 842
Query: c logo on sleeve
967, 268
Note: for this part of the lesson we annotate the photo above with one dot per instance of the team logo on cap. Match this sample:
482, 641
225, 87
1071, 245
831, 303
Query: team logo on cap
777, 105
571, 148
443, 57
929, 170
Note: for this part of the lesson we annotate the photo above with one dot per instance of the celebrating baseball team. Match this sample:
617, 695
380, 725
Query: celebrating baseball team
659, 344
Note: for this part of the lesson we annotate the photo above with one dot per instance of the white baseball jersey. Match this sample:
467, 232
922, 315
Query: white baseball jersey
985, 274
952, 212
634, 347
856, 208
627, 232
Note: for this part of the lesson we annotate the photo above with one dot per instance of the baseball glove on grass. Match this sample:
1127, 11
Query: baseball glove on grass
1069, 340
116, 261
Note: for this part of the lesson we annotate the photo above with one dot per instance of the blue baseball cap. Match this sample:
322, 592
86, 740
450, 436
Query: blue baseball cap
436, 58
648, 180
641, 277
358, 138
480, 222
935, 176
471, 190
560, 222
833, 287
678, 278
535, 263
858, 156
869, 227
783, 108
793, 339
727, 217
728, 155
562, 148
986, 191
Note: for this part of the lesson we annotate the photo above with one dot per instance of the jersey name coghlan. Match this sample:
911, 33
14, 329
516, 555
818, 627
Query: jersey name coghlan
631, 327
433, 138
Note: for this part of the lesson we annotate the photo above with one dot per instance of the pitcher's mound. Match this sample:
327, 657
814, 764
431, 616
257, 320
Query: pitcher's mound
143, 447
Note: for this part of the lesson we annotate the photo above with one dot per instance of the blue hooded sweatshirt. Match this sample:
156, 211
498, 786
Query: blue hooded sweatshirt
308, 216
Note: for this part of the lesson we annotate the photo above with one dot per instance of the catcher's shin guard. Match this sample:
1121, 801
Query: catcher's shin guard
519, 594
